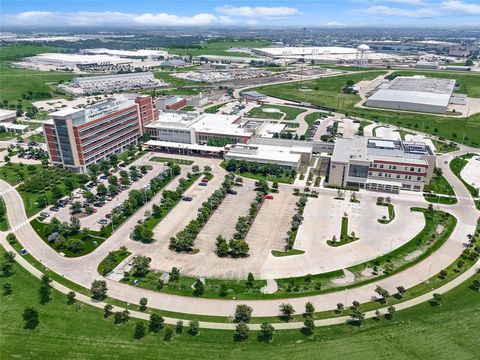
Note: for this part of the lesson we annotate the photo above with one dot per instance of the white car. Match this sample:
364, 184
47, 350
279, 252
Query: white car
103, 221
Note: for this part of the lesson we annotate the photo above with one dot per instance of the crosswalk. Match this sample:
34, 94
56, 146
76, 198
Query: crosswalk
19, 226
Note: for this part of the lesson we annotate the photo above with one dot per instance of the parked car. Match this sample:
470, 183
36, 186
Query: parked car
54, 208
187, 198
103, 221
44, 214
202, 184
269, 197
232, 192
108, 216
204, 180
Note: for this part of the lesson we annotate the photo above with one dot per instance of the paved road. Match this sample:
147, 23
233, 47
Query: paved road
83, 270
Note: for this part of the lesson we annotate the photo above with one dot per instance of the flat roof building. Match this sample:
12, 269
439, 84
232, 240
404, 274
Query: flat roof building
253, 95
7, 115
289, 157
380, 164
75, 60
415, 93
77, 138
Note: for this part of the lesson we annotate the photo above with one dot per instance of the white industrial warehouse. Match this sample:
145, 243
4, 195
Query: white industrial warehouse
415, 93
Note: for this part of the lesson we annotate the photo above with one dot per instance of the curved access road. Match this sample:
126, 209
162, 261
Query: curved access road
82, 270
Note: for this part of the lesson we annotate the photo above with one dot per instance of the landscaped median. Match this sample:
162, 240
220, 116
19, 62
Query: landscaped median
391, 210
439, 190
256, 171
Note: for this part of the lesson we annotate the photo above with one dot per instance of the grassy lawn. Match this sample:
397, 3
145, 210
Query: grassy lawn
284, 179
444, 147
213, 109
446, 331
329, 94
220, 47
3, 216
176, 82
171, 160
7, 135
291, 113
112, 260
41, 186
290, 252
439, 186
457, 165
188, 108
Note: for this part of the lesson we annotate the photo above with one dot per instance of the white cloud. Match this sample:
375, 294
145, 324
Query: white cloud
259, 12
108, 18
335, 24
417, 13
461, 7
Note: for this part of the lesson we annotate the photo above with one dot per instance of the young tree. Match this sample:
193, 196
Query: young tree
143, 304
139, 330
107, 311
384, 294
168, 334
120, 317
179, 327
243, 313
391, 311
198, 288
99, 289
193, 327
437, 299
7, 289
45, 290
156, 323
174, 275
286, 312
71, 298
266, 332
357, 316
309, 309
241, 332
30, 317
250, 279
340, 308
401, 291
140, 266
308, 327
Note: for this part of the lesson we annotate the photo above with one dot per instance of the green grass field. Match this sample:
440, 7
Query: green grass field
220, 47
3, 216
80, 332
291, 113
329, 94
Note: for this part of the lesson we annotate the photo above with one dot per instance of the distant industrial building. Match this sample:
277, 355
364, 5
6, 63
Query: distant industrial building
112, 83
77, 60
381, 165
416, 93
132, 54
427, 65
328, 54
173, 63
77, 138
253, 95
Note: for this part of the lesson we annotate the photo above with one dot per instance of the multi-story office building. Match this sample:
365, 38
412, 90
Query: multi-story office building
379, 164
77, 138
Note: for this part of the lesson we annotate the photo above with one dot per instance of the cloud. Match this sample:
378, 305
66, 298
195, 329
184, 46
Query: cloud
335, 24
417, 13
461, 7
109, 18
258, 12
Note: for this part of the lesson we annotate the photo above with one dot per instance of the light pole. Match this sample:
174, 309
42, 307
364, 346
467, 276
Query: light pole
429, 269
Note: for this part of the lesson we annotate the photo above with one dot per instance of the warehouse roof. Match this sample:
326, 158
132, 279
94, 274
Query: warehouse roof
415, 97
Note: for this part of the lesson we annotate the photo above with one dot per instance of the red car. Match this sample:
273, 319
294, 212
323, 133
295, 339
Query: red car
269, 197
204, 180
108, 216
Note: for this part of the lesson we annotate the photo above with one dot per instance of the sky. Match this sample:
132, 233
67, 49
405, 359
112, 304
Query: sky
244, 13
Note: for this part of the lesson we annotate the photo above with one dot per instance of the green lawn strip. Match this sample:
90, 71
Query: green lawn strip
188, 108
329, 94
391, 213
291, 113
3, 217
404, 133
291, 252
100, 338
456, 165
112, 260
7, 135
213, 109
284, 178
171, 160
345, 237
439, 186
131, 156
444, 147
